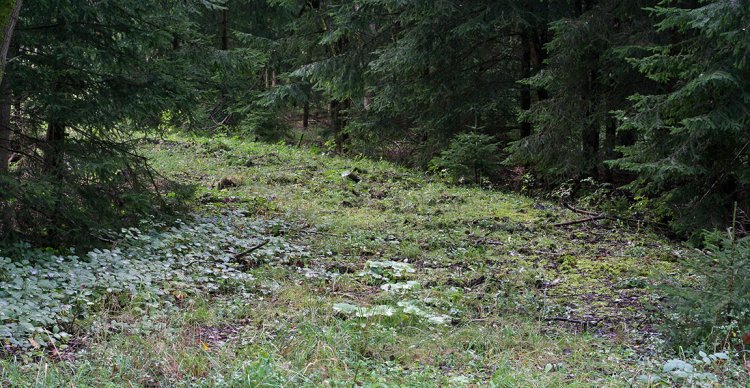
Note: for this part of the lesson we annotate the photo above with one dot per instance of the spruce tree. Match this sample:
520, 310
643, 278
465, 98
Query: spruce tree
84, 77
586, 78
692, 153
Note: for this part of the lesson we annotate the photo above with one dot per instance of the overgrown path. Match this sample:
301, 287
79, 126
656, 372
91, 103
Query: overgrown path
330, 270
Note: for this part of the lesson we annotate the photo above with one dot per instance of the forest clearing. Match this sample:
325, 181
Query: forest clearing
299, 275
283, 193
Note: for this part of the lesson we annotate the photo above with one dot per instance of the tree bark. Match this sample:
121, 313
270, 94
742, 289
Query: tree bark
5, 96
591, 139
610, 139
338, 122
610, 142
306, 115
538, 55
55, 152
6, 211
525, 89
224, 25
8, 29
590, 135
5, 129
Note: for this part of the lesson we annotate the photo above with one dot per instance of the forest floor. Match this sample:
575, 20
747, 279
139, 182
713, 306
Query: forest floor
357, 272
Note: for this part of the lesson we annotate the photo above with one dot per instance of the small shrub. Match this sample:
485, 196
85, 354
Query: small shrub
715, 310
266, 124
470, 156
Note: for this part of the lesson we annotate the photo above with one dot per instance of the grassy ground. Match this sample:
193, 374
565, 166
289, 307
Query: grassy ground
406, 281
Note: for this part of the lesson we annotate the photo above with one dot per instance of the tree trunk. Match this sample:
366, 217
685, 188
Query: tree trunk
338, 122
5, 96
55, 152
54, 166
610, 139
8, 30
538, 55
224, 25
610, 142
591, 139
5, 129
306, 115
6, 211
590, 135
525, 89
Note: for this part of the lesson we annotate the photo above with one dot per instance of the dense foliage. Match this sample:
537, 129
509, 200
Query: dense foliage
714, 311
648, 94
693, 134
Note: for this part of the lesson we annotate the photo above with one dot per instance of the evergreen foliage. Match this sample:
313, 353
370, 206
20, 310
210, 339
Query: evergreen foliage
83, 77
469, 157
586, 77
692, 148
714, 311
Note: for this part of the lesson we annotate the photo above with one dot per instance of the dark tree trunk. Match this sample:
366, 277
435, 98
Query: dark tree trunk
5, 129
610, 142
55, 152
610, 139
306, 115
591, 139
224, 25
538, 55
54, 165
338, 122
525, 89
5, 95
590, 136
6, 211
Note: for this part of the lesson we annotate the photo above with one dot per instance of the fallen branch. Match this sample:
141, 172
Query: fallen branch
576, 321
487, 241
590, 219
606, 216
251, 250
579, 211
302, 231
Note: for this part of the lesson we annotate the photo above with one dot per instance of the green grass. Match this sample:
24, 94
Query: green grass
529, 304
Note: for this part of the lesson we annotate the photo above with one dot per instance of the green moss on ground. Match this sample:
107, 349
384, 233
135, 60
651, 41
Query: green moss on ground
497, 295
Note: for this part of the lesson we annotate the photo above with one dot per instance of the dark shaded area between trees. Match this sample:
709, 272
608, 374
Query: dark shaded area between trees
648, 96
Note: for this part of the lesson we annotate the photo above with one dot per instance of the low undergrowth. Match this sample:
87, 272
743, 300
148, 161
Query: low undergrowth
45, 296
303, 269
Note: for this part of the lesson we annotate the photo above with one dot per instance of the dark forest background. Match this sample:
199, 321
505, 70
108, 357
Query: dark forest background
644, 103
